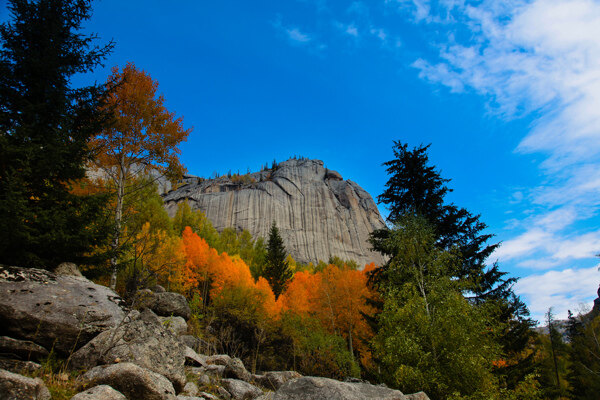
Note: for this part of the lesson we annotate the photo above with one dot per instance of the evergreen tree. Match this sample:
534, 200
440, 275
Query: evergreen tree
416, 187
45, 125
277, 271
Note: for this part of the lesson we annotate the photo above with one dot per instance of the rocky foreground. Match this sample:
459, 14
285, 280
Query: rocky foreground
128, 354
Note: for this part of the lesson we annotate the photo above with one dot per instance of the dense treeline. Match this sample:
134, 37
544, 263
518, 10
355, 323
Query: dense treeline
435, 317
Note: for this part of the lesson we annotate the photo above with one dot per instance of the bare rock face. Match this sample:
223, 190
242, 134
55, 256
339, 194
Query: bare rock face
315, 388
318, 214
58, 311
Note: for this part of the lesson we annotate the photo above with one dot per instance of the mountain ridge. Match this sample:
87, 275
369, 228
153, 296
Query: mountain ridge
318, 213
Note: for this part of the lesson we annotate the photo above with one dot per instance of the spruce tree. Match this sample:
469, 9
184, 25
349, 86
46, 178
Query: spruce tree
45, 125
416, 189
277, 271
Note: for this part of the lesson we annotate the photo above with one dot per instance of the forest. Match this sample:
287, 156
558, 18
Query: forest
77, 183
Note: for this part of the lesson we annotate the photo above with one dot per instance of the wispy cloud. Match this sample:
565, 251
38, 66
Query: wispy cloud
561, 290
296, 36
536, 58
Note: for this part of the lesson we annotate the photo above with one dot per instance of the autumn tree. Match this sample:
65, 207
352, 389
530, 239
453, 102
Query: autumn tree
45, 125
143, 136
277, 271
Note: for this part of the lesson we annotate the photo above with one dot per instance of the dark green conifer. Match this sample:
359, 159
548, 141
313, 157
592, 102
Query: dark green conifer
277, 271
44, 129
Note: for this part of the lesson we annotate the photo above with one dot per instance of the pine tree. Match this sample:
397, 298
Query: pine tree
45, 125
415, 187
277, 271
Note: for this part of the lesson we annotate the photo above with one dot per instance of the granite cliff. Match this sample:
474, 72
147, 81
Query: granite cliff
319, 214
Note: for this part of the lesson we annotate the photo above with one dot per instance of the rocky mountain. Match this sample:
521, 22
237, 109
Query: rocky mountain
318, 213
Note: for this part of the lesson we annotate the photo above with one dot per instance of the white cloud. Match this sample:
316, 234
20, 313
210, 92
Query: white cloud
541, 56
295, 35
561, 290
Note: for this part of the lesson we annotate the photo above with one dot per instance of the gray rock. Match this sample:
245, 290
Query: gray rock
67, 269
235, 369
275, 379
190, 389
223, 393
193, 358
133, 381
18, 366
18, 387
314, 388
241, 390
207, 396
167, 304
53, 310
21, 349
218, 359
158, 289
417, 396
144, 342
215, 370
300, 196
177, 325
192, 342
100, 392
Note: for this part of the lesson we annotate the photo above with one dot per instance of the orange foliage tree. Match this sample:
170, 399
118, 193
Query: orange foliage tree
338, 297
143, 136
209, 273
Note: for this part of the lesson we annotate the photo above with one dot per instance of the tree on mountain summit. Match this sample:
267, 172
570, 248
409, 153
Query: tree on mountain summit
45, 125
144, 136
276, 271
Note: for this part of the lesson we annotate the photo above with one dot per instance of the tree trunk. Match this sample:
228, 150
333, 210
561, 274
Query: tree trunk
117, 229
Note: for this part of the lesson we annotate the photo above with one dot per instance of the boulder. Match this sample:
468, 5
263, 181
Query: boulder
190, 389
158, 289
55, 310
18, 366
21, 349
240, 390
193, 358
67, 269
18, 387
275, 379
192, 342
144, 342
133, 381
215, 370
314, 388
417, 396
100, 392
177, 325
218, 359
167, 304
235, 369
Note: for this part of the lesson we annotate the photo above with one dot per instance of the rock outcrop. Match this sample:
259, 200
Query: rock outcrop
131, 380
18, 387
317, 212
55, 311
314, 388
143, 342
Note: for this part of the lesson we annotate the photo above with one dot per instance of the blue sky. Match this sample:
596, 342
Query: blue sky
507, 92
